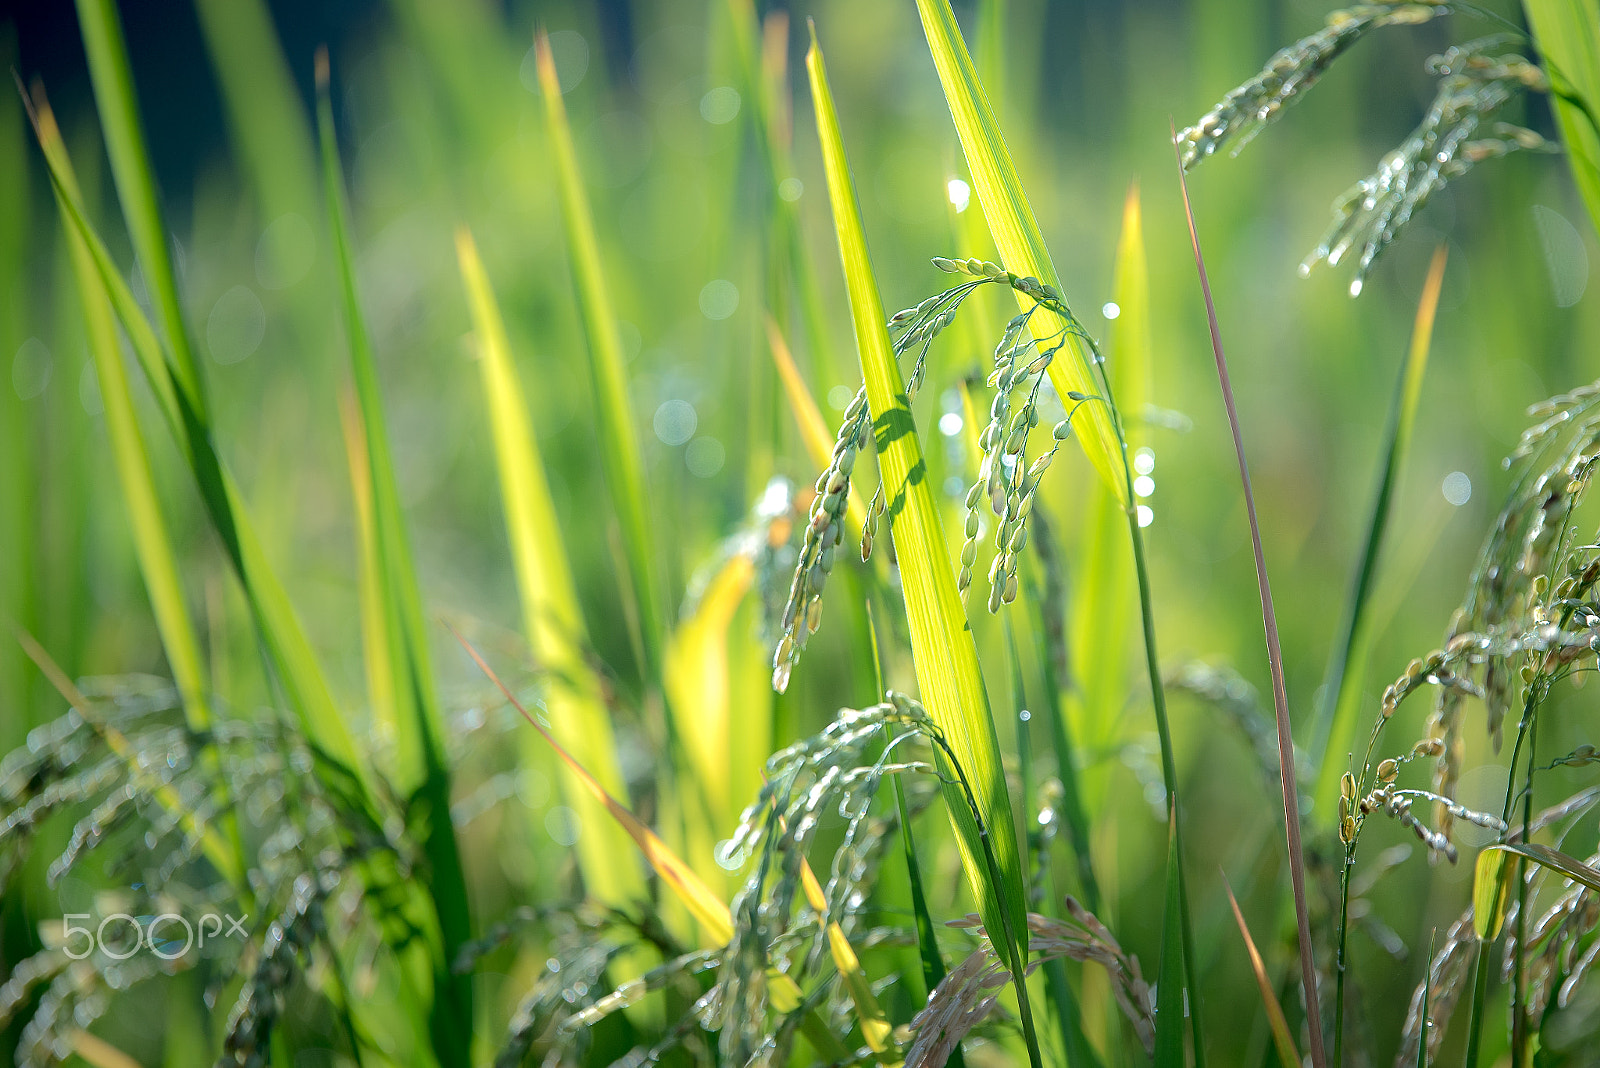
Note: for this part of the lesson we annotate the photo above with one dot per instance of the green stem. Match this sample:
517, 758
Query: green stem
1169, 767
1339, 961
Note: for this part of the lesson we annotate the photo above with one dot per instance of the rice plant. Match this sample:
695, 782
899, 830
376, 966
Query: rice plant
477, 650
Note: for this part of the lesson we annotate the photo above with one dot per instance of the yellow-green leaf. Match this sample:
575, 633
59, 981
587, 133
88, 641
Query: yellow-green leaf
1015, 230
942, 646
552, 618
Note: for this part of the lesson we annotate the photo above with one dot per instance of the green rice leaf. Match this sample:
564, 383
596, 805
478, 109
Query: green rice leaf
1568, 35
945, 655
619, 446
152, 545
297, 669
1016, 231
136, 187
552, 619
1102, 611
418, 729
418, 735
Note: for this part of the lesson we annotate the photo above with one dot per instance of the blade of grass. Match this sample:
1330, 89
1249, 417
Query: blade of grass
417, 719
136, 188
152, 545
1016, 232
418, 738
290, 653
158, 564
1335, 719
1288, 1056
875, 1027
1427, 1003
552, 618
943, 650
619, 445
1280, 697
1068, 1017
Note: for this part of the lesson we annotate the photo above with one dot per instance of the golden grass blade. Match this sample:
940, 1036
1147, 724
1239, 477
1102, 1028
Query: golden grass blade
875, 1027
702, 673
374, 630
716, 922
945, 655
1281, 1036
619, 444
552, 619
1016, 231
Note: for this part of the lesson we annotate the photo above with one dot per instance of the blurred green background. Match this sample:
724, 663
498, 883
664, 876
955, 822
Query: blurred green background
441, 125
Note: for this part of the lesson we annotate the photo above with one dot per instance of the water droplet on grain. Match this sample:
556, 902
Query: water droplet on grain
1111, 309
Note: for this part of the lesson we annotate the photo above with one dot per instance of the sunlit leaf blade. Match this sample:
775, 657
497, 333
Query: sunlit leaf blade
1016, 231
1336, 713
1102, 611
419, 737
728, 692
552, 619
875, 1028
1281, 1036
619, 446
1567, 33
1492, 884
1493, 873
945, 656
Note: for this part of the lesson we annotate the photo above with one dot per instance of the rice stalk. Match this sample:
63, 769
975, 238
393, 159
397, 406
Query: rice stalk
1251, 107
1286, 763
942, 645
